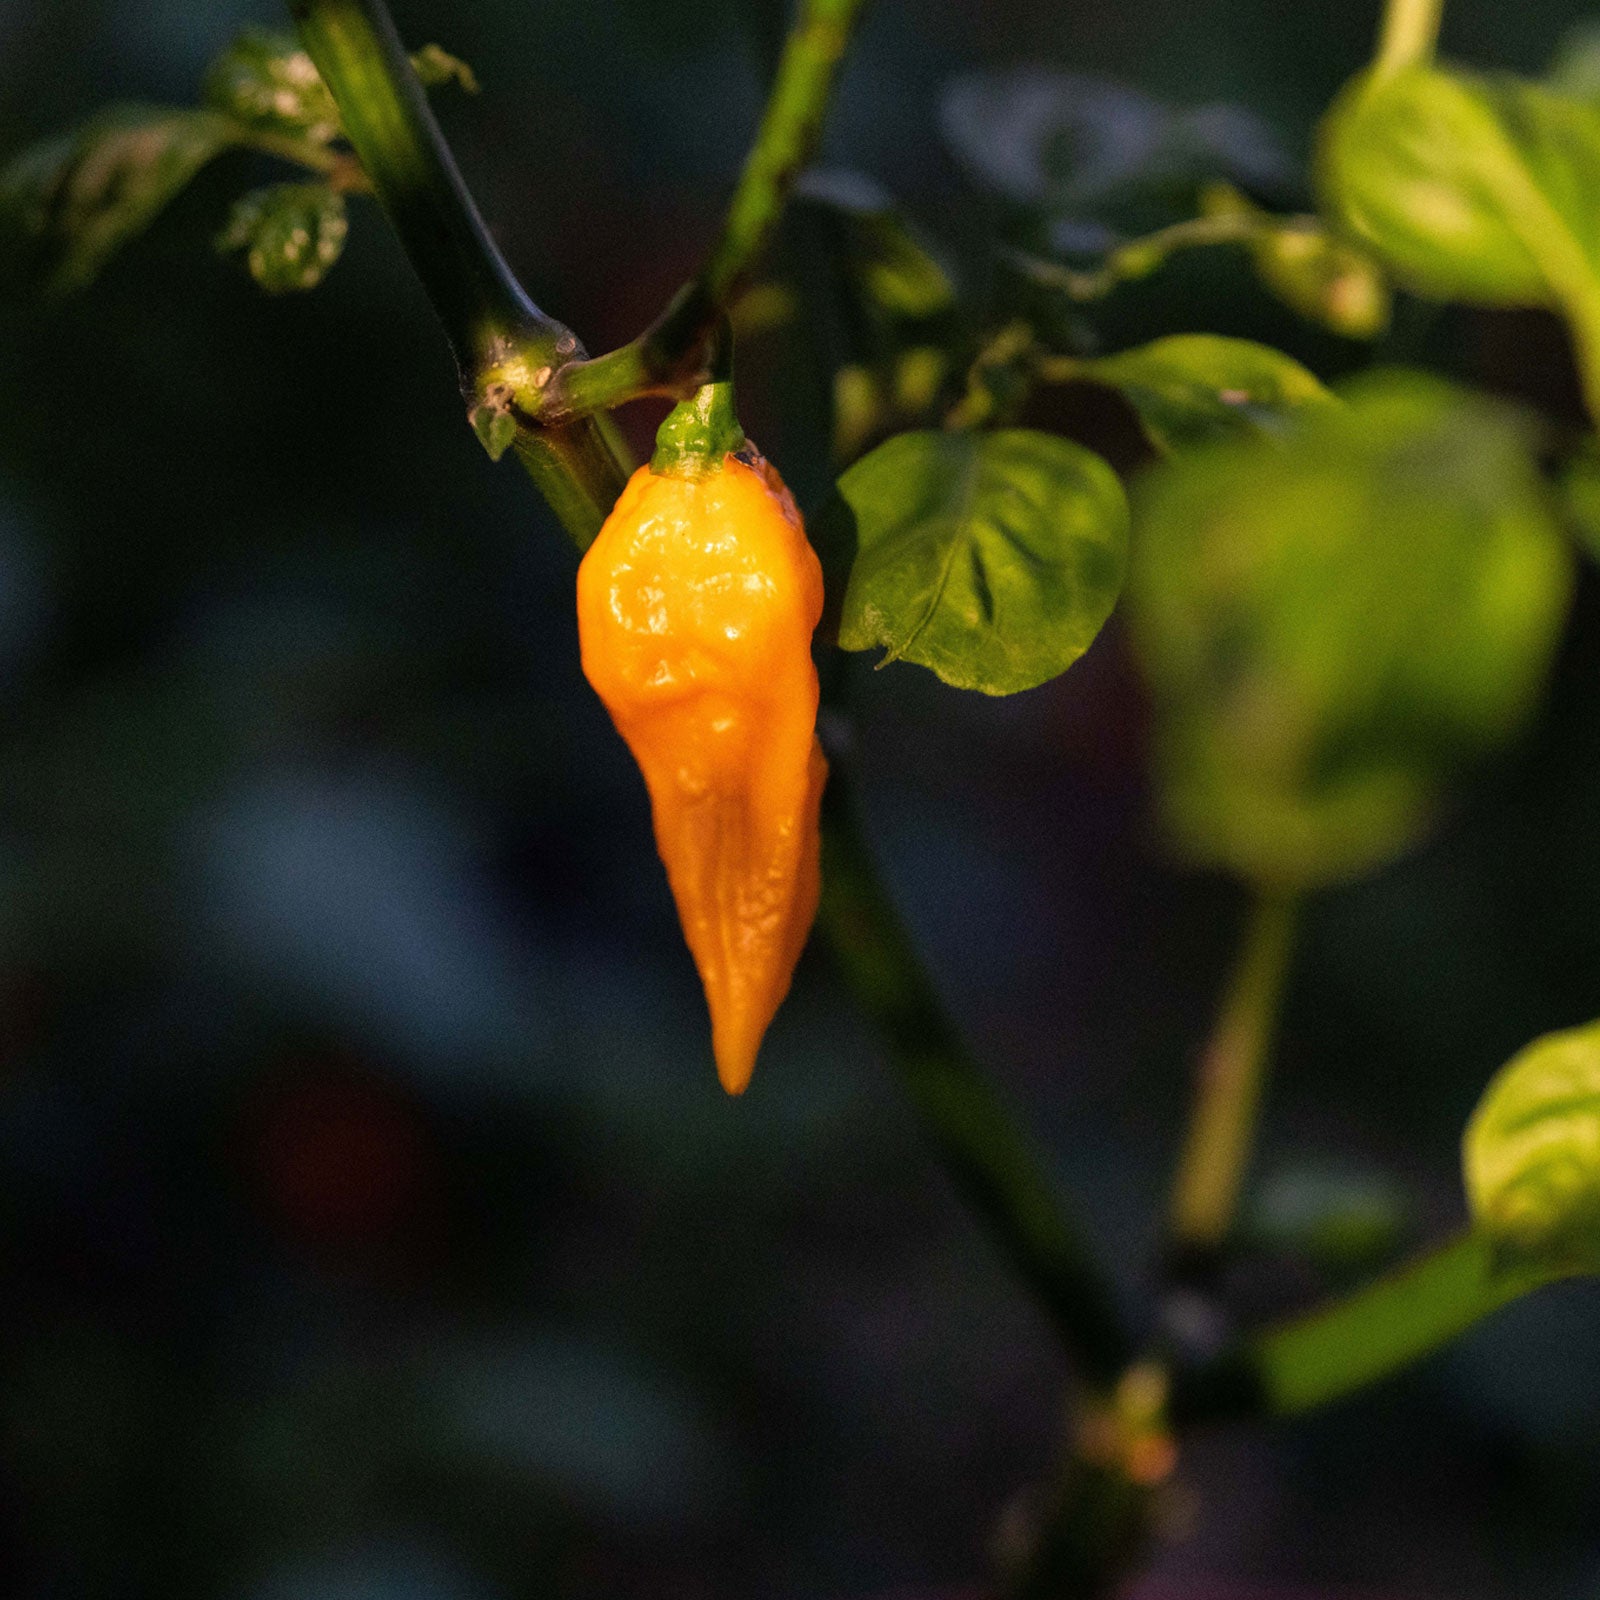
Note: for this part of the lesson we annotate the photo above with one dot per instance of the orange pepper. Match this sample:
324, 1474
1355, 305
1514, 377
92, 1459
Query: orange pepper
696, 606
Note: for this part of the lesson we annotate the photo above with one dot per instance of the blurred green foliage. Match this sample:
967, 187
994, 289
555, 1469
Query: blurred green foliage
1335, 626
290, 233
1473, 188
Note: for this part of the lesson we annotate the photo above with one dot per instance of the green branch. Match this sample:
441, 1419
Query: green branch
669, 356
496, 332
996, 1168
1408, 35
387, 119
355, 48
1216, 1152
1346, 1346
1140, 257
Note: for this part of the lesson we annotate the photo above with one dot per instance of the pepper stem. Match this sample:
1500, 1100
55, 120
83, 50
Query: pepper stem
702, 431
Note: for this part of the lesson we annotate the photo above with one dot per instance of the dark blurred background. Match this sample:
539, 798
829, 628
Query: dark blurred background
371, 1224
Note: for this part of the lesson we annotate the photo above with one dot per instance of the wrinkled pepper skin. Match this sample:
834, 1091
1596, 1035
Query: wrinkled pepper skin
696, 606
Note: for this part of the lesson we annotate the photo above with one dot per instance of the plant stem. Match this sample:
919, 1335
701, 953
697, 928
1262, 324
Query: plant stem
1340, 1348
491, 323
1138, 258
669, 356
1408, 36
355, 47
387, 119
993, 1164
1216, 1151
1097, 1519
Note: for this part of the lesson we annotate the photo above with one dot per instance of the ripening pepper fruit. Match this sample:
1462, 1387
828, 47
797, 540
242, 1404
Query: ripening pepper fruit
696, 606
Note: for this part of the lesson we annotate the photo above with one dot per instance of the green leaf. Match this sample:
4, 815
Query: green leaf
992, 559
435, 66
1335, 627
67, 206
265, 80
1532, 1155
1474, 189
291, 233
1196, 388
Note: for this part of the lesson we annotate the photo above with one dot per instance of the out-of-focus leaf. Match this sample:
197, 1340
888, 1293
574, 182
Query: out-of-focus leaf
1335, 627
1575, 70
435, 66
1532, 1154
1474, 189
291, 233
859, 407
896, 270
992, 559
266, 80
1580, 495
1065, 141
763, 306
1325, 278
68, 205
869, 401
1196, 388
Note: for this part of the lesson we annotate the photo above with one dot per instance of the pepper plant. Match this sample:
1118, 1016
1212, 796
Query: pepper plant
1343, 599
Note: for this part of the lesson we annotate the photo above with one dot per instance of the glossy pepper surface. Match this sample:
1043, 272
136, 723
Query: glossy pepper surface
696, 606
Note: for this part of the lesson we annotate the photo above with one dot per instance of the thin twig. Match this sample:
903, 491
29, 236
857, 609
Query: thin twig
1408, 35
490, 321
354, 45
1216, 1152
669, 356
996, 1167
1337, 1349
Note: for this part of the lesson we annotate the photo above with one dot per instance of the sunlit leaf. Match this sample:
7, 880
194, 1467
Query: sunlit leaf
1532, 1154
1335, 626
1474, 189
266, 80
992, 559
1065, 141
1194, 388
291, 234
68, 205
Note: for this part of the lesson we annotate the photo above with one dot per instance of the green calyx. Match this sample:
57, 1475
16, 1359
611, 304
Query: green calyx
699, 434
